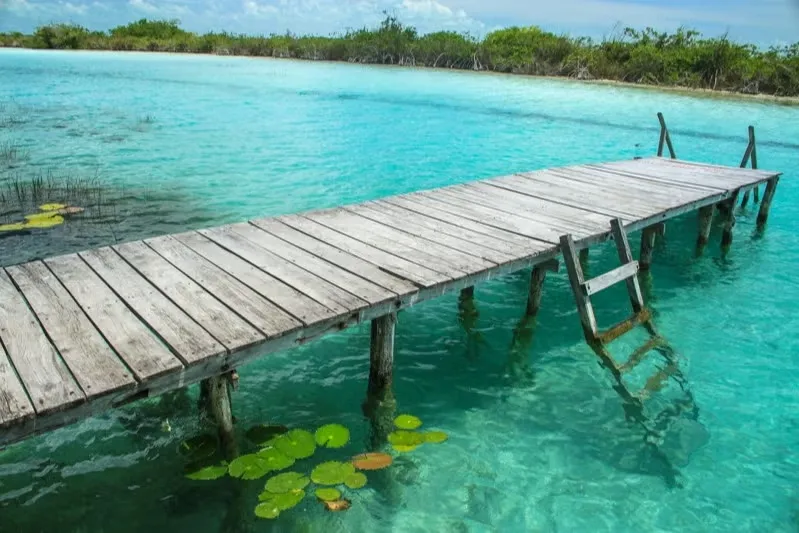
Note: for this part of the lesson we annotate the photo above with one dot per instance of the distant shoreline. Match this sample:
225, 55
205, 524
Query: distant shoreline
788, 101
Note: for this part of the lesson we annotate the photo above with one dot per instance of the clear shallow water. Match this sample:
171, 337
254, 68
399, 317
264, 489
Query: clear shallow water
538, 440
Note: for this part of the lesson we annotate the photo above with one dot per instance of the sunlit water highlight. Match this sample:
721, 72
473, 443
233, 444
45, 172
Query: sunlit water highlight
538, 439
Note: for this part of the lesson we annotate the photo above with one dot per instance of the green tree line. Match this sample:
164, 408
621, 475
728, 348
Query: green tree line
684, 58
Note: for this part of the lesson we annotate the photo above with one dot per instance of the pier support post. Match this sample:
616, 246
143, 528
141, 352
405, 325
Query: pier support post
648, 244
729, 223
467, 292
380, 404
705, 221
765, 205
467, 316
216, 392
537, 278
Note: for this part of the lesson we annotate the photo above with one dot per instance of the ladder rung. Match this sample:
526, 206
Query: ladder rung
656, 382
640, 352
644, 315
617, 275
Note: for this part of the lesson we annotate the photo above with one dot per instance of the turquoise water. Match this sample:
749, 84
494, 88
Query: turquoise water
538, 439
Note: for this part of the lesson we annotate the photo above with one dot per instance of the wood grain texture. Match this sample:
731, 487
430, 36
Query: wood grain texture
44, 374
269, 319
187, 339
15, 407
302, 307
217, 319
96, 367
134, 342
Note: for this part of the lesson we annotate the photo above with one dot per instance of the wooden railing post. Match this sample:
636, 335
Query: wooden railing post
665, 137
750, 155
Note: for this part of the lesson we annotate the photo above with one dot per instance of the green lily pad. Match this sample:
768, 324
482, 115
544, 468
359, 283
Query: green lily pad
287, 482
267, 510
275, 458
297, 444
263, 433
331, 473
407, 422
199, 447
405, 438
328, 494
403, 448
332, 436
248, 467
284, 500
206, 473
435, 437
356, 480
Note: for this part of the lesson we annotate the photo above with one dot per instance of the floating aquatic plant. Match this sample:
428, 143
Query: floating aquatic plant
405, 441
332, 436
16, 226
41, 222
52, 207
407, 422
297, 444
249, 467
328, 494
331, 473
70, 210
262, 434
275, 459
356, 480
338, 505
435, 437
272, 504
372, 461
286, 482
207, 473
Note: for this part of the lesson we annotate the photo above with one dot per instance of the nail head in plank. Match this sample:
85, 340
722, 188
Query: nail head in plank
44, 374
269, 319
216, 318
132, 339
187, 339
96, 367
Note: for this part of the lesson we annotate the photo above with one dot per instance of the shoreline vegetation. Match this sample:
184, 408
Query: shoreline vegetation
683, 61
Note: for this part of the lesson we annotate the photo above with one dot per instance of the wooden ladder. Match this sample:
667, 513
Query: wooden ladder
655, 426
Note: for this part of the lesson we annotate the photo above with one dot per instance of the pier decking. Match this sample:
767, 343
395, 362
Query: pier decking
85, 332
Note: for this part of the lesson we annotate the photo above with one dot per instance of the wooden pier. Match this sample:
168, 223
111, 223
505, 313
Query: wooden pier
86, 332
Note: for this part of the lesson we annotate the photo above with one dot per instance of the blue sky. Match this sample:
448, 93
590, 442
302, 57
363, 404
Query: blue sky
761, 21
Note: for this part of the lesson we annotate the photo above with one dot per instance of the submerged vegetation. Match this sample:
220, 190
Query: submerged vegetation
684, 58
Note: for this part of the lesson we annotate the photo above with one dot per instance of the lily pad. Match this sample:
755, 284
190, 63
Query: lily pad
208, 473
43, 222
331, 473
328, 494
198, 447
263, 433
332, 436
248, 467
275, 458
356, 480
297, 444
287, 482
403, 448
338, 505
52, 207
372, 461
17, 226
435, 437
71, 210
40, 216
267, 510
284, 500
405, 438
407, 422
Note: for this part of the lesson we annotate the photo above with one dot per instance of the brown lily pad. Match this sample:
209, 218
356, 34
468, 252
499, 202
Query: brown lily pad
338, 505
372, 461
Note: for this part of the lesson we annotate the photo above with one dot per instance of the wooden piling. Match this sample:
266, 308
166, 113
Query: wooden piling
705, 221
665, 137
647, 245
729, 223
380, 404
537, 278
218, 406
750, 155
467, 292
762, 215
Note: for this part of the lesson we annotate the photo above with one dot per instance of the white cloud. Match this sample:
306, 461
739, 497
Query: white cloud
254, 8
77, 9
18, 7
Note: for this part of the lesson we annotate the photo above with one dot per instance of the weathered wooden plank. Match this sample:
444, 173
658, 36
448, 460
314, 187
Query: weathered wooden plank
610, 278
490, 217
518, 242
577, 281
447, 260
360, 287
15, 407
304, 308
269, 319
322, 291
131, 338
429, 229
93, 363
566, 193
223, 324
658, 191
397, 266
187, 339
626, 257
338, 257
44, 374
651, 170
750, 175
